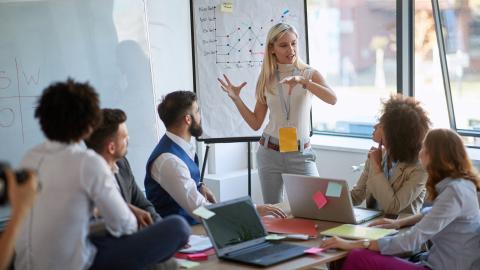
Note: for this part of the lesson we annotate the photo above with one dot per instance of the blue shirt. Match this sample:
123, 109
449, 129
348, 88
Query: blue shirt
452, 224
388, 172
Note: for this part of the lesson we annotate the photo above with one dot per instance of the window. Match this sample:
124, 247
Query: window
428, 74
353, 45
461, 33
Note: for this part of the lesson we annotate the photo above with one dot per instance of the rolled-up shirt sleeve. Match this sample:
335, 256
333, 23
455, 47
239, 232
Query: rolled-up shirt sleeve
100, 184
174, 176
445, 209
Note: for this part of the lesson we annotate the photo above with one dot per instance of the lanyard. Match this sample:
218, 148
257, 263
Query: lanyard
285, 105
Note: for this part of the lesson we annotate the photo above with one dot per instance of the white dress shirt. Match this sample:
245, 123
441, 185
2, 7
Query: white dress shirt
74, 181
173, 175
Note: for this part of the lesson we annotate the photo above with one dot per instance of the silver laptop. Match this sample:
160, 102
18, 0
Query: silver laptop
237, 234
301, 189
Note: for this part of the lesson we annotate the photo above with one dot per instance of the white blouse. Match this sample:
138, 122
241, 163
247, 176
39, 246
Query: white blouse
300, 104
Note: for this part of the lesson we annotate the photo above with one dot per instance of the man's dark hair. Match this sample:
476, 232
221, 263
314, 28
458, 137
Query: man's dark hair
112, 118
68, 110
405, 124
174, 106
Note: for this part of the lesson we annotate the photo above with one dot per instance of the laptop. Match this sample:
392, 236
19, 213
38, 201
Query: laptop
301, 189
237, 234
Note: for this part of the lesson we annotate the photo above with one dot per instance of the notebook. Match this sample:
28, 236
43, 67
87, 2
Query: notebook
237, 234
291, 226
358, 232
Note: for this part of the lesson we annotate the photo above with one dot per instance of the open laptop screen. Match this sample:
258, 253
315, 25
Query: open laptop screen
235, 222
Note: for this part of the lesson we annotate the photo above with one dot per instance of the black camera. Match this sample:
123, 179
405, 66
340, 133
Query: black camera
20, 176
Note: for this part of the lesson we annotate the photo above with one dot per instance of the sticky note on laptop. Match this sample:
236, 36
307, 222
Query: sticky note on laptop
319, 199
333, 189
203, 212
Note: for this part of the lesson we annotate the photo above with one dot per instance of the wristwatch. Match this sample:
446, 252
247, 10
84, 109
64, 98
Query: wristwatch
366, 243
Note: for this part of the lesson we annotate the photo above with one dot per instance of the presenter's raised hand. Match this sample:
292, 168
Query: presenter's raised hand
232, 90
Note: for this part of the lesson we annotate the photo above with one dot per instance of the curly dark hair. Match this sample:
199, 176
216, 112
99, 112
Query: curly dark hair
112, 118
405, 124
447, 158
174, 106
67, 111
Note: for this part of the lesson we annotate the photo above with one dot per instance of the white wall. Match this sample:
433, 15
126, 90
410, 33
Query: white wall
170, 47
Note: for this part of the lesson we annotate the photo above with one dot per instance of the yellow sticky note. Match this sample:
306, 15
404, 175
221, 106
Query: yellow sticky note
288, 139
186, 263
226, 7
203, 212
275, 237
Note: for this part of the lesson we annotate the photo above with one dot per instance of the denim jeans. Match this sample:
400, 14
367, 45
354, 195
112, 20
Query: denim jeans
144, 248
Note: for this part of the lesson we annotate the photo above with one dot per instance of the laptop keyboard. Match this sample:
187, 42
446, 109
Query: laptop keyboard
262, 251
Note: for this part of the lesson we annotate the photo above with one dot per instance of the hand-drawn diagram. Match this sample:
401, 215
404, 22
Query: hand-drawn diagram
237, 39
12, 102
7, 117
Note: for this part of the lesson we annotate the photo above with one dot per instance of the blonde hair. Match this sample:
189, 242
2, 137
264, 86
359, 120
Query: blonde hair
270, 61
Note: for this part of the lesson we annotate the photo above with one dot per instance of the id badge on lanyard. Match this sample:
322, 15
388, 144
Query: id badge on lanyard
288, 141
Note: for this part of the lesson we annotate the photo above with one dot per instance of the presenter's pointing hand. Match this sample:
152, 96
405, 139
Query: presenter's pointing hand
232, 90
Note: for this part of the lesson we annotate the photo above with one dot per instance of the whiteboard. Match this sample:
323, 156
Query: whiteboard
231, 42
103, 42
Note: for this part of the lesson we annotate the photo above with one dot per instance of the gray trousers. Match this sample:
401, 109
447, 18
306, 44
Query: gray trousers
271, 165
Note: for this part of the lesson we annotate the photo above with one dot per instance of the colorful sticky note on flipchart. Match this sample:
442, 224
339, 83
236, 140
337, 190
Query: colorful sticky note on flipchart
226, 7
203, 212
333, 189
319, 199
313, 250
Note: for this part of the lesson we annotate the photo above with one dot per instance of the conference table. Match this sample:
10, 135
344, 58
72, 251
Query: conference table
303, 262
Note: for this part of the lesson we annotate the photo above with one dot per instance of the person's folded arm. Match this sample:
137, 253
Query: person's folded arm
359, 190
392, 201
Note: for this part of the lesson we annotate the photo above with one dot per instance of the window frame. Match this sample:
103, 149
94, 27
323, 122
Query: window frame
405, 59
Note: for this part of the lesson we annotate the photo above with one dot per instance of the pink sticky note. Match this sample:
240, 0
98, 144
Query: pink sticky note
198, 257
319, 199
313, 250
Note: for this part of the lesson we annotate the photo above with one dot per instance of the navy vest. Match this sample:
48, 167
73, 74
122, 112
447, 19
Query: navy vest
164, 204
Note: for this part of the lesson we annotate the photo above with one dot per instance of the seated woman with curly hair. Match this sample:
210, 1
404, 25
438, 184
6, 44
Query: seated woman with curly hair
452, 224
393, 179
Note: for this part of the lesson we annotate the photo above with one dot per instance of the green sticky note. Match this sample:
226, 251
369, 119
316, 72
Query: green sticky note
203, 212
333, 189
186, 263
274, 237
